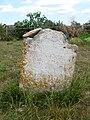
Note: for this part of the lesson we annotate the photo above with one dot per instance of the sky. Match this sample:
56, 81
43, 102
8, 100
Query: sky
12, 11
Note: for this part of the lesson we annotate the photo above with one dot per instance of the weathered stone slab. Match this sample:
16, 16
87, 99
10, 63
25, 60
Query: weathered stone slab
32, 32
48, 61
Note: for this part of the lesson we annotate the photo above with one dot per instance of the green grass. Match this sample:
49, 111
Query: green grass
83, 39
10, 55
84, 36
71, 104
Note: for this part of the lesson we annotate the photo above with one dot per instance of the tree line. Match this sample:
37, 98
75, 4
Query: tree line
35, 20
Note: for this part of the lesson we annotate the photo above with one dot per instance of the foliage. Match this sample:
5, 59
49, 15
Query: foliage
6, 33
50, 24
35, 20
73, 30
2, 32
87, 26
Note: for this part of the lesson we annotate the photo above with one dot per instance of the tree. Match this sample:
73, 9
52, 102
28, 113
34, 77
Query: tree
49, 24
75, 24
36, 20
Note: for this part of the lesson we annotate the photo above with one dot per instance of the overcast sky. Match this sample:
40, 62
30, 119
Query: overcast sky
55, 10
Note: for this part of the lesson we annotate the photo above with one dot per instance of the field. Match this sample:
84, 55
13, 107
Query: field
15, 104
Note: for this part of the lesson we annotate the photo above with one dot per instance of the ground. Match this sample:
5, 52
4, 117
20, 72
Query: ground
73, 105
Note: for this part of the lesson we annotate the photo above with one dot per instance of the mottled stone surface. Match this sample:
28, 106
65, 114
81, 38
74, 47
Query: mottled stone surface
48, 61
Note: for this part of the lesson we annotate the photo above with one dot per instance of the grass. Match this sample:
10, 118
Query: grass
84, 36
83, 39
10, 55
71, 104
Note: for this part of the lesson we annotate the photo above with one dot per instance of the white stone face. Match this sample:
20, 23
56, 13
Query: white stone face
48, 61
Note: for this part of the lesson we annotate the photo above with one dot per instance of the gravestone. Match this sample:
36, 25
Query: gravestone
48, 60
